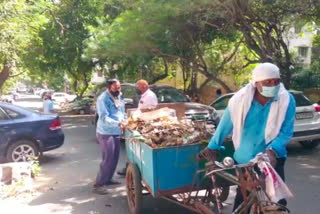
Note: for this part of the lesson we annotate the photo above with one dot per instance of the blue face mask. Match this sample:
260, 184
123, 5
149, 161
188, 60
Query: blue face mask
270, 91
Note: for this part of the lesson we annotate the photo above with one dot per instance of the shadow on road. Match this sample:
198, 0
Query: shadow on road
77, 121
49, 159
295, 149
78, 199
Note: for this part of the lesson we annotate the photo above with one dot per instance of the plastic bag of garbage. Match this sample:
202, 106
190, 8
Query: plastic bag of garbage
136, 135
276, 189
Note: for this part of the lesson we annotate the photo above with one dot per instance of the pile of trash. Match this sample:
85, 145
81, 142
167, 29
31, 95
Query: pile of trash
161, 128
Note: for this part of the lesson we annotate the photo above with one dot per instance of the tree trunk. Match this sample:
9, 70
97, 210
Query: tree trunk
223, 84
204, 84
162, 76
86, 85
4, 75
194, 81
185, 74
212, 77
74, 80
83, 90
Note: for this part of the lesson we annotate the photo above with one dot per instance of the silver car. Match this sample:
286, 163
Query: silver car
307, 122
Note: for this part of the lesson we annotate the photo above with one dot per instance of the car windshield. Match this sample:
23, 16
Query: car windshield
301, 100
169, 95
221, 103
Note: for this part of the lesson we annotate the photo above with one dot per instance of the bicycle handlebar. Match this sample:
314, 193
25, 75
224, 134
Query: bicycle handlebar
221, 167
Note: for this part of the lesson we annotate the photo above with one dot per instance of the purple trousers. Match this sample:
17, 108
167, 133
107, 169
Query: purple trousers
110, 147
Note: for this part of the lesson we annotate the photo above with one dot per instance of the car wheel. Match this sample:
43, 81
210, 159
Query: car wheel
23, 150
310, 144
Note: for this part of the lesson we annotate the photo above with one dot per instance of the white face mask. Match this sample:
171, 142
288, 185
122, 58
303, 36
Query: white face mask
270, 91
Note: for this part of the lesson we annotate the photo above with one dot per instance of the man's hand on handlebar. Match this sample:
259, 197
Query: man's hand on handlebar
208, 154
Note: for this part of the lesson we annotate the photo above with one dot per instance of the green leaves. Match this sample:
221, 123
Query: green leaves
152, 39
20, 22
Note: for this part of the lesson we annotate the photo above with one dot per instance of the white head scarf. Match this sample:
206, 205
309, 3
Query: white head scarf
265, 71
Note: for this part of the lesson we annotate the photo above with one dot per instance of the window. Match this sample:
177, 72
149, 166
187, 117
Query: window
301, 100
129, 92
99, 73
170, 96
3, 116
222, 103
12, 114
298, 28
303, 51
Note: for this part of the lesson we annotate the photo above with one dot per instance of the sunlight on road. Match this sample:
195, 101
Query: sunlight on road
34, 105
79, 201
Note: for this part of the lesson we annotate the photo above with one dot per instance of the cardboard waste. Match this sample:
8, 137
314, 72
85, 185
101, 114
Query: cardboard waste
161, 128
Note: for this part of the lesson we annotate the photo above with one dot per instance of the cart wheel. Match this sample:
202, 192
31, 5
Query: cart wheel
134, 189
223, 193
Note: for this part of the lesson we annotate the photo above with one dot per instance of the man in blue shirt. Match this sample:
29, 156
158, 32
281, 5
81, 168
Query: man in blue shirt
260, 117
111, 111
48, 105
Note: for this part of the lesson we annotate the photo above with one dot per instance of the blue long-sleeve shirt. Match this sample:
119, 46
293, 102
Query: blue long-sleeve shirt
253, 133
109, 115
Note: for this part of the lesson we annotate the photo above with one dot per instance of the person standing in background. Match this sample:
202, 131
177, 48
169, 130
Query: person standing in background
196, 98
218, 93
48, 105
148, 98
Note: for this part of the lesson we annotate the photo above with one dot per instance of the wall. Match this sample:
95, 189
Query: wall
296, 38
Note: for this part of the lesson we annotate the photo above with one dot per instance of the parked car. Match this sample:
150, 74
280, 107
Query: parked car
42, 92
307, 122
60, 97
24, 133
8, 98
80, 106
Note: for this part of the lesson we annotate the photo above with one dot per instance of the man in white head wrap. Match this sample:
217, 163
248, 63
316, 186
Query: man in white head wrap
260, 117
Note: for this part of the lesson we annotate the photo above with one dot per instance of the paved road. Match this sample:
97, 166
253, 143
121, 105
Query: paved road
68, 173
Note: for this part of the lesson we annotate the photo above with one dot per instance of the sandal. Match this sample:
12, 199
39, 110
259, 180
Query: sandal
100, 190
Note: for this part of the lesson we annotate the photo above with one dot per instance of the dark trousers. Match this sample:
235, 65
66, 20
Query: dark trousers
279, 169
110, 147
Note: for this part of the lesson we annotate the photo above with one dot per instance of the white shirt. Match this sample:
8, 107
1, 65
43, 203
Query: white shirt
148, 100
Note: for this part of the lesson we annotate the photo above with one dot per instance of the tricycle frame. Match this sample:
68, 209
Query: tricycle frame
186, 195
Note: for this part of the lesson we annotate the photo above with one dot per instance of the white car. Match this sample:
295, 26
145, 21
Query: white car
61, 97
7, 98
307, 123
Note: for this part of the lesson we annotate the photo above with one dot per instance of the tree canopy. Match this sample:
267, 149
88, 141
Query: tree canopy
20, 22
204, 36
58, 41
